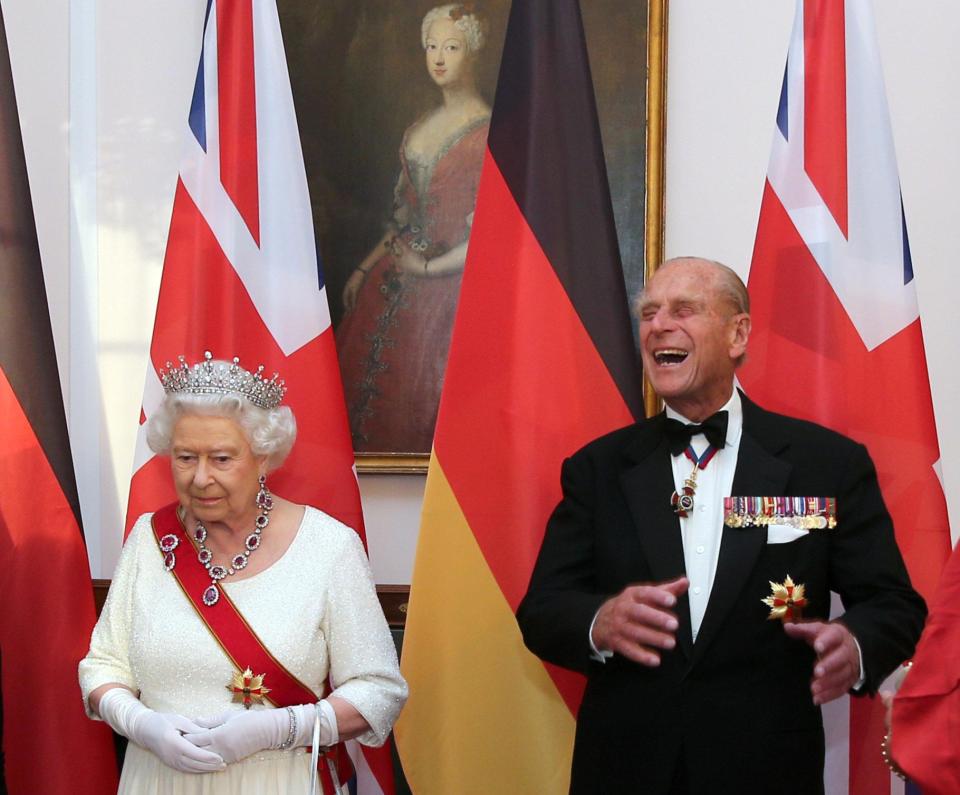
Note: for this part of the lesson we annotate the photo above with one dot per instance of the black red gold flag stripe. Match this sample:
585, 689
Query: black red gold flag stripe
562, 192
542, 360
46, 599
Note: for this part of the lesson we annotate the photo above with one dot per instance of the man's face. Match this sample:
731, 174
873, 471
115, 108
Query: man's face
690, 337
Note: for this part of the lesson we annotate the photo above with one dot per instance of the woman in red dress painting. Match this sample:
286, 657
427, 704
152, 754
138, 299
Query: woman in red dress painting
401, 299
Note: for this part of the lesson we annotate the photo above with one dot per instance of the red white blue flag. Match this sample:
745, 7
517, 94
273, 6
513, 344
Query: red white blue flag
836, 336
241, 276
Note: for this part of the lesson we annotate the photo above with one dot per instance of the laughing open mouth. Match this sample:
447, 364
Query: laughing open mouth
669, 356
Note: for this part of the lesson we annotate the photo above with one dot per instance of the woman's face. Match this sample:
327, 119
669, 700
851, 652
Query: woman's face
214, 470
447, 57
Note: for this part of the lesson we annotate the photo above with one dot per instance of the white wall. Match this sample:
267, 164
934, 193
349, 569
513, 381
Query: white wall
120, 75
38, 38
146, 62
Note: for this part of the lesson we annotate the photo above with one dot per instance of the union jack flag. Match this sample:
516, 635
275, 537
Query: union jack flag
241, 276
837, 336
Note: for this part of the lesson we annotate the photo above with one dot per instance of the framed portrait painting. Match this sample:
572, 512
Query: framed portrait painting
393, 116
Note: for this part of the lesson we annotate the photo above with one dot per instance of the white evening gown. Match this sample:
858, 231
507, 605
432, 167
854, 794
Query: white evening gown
315, 609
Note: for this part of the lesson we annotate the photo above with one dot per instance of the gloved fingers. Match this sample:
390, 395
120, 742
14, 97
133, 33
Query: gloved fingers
194, 758
227, 751
181, 723
212, 722
231, 742
202, 738
188, 765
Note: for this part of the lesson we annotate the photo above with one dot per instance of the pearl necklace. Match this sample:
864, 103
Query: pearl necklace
239, 561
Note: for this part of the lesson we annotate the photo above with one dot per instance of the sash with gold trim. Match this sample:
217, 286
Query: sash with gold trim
232, 632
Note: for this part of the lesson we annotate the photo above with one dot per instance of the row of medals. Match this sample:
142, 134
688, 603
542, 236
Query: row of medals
803, 513
818, 522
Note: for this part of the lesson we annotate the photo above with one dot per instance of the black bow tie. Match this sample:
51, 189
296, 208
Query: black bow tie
679, 433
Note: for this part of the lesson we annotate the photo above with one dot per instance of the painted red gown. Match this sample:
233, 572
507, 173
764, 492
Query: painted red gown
393, 346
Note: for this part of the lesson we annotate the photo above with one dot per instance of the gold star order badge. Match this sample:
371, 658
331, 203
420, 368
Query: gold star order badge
787, 601
248, 688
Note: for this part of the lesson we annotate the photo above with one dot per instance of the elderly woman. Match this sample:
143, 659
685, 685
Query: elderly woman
231, 608
401, 299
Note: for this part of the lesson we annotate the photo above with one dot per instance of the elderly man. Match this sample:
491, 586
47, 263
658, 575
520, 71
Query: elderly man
687, 571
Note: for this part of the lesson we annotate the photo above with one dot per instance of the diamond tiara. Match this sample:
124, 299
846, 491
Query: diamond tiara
212, 378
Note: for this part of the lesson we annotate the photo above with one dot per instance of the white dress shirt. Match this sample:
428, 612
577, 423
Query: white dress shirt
702, 529
701, 532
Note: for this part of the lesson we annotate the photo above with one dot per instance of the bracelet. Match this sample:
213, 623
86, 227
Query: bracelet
291, 732
888, 758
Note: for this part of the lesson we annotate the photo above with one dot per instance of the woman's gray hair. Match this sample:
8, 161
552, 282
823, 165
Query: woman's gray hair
270, 432
464, 19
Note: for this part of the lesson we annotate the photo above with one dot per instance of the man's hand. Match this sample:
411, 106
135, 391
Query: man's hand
638, 621
838, 661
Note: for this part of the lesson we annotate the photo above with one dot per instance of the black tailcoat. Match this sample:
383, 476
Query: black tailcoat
734, 708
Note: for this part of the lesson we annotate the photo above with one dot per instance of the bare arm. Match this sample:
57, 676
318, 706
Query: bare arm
414, 262
350, 723
449, 262
352, 288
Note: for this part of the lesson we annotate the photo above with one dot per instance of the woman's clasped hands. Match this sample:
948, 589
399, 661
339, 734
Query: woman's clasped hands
236, 735
163, 733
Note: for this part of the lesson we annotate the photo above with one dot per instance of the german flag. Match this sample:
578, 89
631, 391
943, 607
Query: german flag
46, 599
542, 360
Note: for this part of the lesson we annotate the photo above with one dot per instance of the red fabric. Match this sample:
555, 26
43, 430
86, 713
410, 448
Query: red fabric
825, 120
236, 85
807, 360
49, 744
393, 345
926, 711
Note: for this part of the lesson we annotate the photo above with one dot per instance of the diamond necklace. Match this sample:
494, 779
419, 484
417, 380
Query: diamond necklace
239, 561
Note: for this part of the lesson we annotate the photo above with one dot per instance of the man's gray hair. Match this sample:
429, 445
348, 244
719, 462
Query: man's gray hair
270, 432
729, 285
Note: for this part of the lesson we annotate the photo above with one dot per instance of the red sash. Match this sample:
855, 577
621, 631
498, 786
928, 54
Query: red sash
230, 629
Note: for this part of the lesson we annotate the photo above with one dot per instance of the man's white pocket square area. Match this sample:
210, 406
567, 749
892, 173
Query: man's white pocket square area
784, 533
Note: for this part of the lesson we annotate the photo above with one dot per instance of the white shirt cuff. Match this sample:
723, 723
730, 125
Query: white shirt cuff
603, 656
863, 674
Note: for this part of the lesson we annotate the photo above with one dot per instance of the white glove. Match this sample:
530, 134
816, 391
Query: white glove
236, 735
159, 732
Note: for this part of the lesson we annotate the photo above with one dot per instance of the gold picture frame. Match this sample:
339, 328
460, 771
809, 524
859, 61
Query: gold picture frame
359, 82
656, 155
